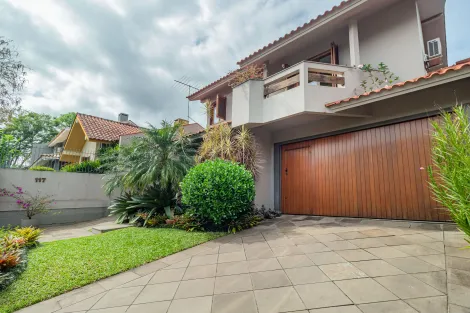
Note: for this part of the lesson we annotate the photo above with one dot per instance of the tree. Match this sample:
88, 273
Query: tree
64, 120
163, 156
8, 150
12, 80
29, 128
450, 173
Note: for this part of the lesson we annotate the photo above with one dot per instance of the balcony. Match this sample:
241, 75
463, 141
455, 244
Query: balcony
302, 88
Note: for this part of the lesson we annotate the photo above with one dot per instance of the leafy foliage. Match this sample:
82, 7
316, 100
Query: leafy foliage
28, 128
188, 221
377, 77
8, 149
41, 169
236, 145
267, 213
29, 234
83, 167
12, 80
248, 220
13, 249
162, 156
220, 191
450, 173
152, 202
242, 75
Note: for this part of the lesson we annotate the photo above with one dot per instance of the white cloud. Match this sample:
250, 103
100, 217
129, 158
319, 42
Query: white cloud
53, 14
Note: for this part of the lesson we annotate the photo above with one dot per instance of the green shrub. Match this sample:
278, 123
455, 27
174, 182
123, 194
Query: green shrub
83, 167
450, 173
29, 234
42, 169
220, 191
151, 201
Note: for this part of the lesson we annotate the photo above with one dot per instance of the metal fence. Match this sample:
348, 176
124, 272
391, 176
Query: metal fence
41, 157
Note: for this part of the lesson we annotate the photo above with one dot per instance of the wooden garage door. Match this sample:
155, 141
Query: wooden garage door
373, 173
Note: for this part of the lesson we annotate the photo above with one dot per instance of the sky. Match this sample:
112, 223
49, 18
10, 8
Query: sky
104, 57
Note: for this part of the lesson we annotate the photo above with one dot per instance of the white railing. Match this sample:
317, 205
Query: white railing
311, 73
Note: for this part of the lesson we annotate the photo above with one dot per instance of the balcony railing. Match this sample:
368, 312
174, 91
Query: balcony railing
303, 87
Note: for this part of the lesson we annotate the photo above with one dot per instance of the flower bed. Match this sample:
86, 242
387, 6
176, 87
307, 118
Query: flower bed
13, 252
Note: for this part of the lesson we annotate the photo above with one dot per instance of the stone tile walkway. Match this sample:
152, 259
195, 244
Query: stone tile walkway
295, 264
67, 231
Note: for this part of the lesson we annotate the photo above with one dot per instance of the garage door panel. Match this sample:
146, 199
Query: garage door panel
370, 173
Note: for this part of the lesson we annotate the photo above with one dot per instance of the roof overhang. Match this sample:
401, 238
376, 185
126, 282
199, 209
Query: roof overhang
407, 88
219, 86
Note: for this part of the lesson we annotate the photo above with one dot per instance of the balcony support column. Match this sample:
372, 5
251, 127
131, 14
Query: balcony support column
354, 43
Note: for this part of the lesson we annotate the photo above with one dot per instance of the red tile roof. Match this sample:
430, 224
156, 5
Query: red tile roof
439, 72
97, 128
299, 29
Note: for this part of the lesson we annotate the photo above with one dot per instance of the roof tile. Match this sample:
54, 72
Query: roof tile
97, 128
439, 72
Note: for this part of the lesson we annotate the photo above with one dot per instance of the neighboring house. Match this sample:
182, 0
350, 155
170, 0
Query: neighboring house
49, 154
91, 133
329, 147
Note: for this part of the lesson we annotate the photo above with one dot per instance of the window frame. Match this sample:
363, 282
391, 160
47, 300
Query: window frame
439, 47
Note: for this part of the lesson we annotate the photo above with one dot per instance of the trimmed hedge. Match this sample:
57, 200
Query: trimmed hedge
83, 167
42, 169
220, 191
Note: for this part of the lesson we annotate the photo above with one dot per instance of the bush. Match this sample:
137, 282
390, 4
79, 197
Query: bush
83, 167
41, 169
29, 234
152, 201
450, 173
13, 248
220, 191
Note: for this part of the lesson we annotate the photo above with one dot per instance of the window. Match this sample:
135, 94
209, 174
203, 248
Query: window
105, 145
434, 47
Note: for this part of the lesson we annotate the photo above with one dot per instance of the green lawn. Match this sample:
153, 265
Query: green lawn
60, 266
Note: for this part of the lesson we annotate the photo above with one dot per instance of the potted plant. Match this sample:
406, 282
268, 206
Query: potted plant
31, 204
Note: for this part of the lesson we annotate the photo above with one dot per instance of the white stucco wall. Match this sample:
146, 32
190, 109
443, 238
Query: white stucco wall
392, 36
78, 196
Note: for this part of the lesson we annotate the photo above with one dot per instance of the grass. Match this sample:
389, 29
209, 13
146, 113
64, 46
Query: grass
60, 266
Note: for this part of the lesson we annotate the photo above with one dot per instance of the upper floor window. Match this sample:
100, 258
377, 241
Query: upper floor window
218, 110
434, 48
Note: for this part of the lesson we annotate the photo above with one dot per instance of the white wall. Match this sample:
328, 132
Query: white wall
78, 196
392, 36
265, 181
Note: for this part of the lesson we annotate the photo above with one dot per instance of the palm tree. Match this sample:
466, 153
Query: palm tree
161, 156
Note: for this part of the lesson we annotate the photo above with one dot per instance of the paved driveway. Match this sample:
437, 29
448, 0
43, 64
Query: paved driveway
295, 264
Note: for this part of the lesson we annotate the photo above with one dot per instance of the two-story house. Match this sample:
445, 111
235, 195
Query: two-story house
330, 146
89, 134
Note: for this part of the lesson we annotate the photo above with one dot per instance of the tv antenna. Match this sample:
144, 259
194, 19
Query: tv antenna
186, 82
